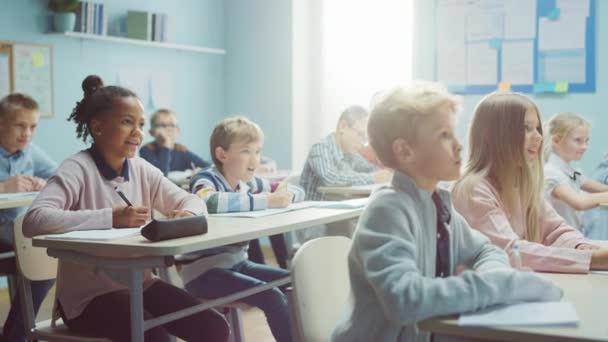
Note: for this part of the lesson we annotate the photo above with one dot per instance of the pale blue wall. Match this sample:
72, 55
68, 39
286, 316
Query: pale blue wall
197, 78
592, 106
258, 69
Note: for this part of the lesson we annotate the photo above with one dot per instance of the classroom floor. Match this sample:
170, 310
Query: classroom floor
254, 322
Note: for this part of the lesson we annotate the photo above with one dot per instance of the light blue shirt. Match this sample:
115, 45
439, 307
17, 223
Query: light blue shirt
595, 221
31, 161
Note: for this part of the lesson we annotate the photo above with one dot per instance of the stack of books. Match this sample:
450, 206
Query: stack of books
147, 26
91, 18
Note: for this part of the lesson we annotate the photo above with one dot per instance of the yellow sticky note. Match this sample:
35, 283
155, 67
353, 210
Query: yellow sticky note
561, 87
37, 59
504, 86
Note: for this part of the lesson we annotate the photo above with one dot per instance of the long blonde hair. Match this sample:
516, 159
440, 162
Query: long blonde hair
560, 125
496, 153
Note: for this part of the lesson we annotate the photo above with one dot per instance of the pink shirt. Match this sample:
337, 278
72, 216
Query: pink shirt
556, 252
78, 197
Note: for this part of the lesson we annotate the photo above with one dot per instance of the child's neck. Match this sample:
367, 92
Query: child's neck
232, 181
422, 182
115, 163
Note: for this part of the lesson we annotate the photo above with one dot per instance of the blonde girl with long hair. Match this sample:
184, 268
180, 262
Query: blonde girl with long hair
566, 140
500, 193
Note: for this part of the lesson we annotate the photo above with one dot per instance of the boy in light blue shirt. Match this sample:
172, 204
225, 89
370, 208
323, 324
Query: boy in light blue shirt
409, 241
23, 168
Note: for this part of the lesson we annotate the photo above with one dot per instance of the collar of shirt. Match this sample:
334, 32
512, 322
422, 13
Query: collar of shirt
563, 166
106, 171
241, 187
405, 183
5, 154
333, 146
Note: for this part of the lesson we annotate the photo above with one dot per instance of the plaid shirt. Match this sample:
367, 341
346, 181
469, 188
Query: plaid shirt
328, 165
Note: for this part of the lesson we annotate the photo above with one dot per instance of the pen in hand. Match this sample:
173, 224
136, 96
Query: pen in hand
122, 195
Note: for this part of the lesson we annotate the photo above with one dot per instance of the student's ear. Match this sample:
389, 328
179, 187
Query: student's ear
402, 151
220, 154
95, 127
555, 139
341, 126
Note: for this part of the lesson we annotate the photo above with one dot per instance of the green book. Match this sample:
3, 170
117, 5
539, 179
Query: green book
139, 25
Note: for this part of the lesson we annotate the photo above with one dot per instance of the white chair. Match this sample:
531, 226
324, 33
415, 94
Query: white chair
321, 286
34, 264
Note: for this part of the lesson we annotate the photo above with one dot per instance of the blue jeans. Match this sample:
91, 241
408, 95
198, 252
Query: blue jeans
220, 282
14, 326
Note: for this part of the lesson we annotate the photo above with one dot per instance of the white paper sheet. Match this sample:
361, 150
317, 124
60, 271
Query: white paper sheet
579, 8
482, 64
8, 196
5, 72
525, 314
268, 212
518, 62
564, 33
484, 20
565, 68
520, 19
451, 50
96, 234
346, 204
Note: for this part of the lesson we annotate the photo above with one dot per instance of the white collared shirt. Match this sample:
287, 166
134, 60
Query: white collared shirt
558, 172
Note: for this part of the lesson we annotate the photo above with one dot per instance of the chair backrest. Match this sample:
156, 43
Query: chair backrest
321, 286
33, 262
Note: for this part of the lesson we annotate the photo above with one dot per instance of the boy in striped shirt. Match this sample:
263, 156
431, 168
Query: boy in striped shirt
231, 186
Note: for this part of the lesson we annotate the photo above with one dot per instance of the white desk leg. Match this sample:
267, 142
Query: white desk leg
137, 305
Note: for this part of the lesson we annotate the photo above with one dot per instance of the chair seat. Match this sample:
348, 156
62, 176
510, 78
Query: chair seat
44, 331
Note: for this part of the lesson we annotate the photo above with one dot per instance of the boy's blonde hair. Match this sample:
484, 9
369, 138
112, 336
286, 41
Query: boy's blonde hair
560, 125
233, 130
496, 153
400, 112
158, 113
14, 103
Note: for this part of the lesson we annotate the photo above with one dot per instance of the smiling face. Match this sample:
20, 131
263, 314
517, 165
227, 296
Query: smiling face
533, 137
240, 161
120, 132
574, 145
17, 129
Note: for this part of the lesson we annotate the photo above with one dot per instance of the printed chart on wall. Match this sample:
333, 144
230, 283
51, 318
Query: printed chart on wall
532, 46
33, 75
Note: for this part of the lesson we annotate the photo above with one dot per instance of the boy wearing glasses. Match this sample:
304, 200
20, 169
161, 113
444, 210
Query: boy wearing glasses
335, 160
164, 152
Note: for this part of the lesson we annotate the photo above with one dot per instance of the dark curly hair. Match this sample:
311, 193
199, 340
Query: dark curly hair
97, 100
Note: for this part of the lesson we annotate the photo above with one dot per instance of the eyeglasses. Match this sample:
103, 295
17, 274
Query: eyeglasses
165, 126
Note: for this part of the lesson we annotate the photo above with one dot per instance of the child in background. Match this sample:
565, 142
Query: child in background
501, 192
595, 221
82, 196
165, 153
409, 241
229, 186
23, 168
566, 140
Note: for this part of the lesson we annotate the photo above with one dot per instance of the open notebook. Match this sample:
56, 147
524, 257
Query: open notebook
347, 204
96, 234
524, 314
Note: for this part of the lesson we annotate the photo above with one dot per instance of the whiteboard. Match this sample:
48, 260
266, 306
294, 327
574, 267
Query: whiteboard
33, 74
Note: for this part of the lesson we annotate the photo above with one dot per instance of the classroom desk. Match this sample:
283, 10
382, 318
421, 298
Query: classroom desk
588, 293
126, 259
277, 176
17, 202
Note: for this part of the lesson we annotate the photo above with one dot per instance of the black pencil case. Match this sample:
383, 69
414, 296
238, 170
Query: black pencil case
166, 229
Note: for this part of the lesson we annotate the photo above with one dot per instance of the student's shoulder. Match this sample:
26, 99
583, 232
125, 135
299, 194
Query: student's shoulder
387, 198
151, 146
79, 163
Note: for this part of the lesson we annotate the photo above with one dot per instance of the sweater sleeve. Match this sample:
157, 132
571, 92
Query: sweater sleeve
53, 211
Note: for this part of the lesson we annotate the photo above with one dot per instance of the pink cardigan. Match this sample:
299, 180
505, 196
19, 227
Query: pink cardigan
78, 197
556, 252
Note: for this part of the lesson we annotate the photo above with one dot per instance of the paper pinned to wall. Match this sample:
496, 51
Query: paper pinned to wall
485, 22
579, 8
565, 33
520, 19
33, 74
5, 75
482, 63
137, 81
567, 68
451, 51
518, 62
162, 90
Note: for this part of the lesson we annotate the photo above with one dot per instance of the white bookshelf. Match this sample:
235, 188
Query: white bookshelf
122, 40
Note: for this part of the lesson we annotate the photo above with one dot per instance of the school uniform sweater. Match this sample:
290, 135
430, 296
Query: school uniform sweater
80, 197
392, 267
